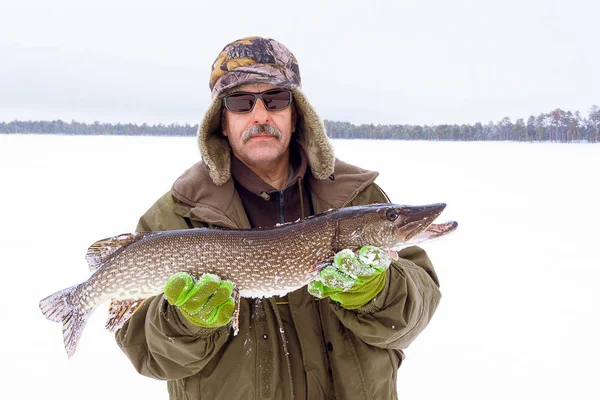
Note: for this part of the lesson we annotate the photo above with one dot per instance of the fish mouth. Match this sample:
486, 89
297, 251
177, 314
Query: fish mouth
413, 221
434, 231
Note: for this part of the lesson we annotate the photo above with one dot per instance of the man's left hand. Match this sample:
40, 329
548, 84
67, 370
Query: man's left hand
353, 280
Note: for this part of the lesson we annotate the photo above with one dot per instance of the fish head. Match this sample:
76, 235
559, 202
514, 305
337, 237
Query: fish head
410, 221
393, 226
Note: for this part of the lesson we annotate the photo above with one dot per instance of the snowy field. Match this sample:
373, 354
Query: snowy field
519, 318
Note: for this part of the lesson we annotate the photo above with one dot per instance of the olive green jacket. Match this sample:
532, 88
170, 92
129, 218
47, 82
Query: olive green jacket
293, 347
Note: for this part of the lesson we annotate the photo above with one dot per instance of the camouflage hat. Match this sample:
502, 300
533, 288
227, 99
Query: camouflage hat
254, 60
260, 60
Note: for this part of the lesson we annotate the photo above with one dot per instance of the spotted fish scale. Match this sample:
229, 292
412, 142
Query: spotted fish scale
260, 262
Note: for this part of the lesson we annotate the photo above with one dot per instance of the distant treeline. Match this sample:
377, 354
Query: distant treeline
558, 125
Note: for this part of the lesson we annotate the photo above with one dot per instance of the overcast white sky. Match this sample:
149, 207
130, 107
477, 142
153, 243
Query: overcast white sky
413, 62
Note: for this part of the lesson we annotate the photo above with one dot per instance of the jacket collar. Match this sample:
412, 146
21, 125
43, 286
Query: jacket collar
341, 188
222, 206
217, 205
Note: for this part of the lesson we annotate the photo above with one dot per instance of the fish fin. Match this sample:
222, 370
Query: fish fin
120, 311
101, 251
60, 307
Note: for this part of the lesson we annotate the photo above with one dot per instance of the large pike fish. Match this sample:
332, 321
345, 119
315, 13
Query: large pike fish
260, 262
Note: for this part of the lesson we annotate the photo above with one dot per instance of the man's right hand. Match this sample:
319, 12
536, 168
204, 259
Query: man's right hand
207, 302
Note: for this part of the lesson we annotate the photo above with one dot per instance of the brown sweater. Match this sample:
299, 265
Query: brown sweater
267, 206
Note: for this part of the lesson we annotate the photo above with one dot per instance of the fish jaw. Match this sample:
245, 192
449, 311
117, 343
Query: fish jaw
411, 221
435, 231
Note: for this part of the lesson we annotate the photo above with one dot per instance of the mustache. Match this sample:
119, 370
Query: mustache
261, 129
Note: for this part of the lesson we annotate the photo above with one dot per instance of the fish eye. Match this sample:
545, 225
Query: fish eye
392, 215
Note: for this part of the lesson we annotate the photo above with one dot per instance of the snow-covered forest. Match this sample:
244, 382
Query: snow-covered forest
557, 126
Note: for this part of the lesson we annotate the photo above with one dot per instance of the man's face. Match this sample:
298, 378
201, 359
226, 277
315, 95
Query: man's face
262, 150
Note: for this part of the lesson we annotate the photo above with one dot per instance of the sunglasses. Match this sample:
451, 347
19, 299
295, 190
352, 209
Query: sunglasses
243, 102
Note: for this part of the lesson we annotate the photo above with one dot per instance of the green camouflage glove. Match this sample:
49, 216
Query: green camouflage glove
206, 303
353, 280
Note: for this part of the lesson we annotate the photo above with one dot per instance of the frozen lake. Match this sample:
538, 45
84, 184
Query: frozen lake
519, 317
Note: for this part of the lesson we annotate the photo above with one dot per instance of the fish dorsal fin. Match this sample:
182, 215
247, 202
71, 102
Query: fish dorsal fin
104, 249
120, 311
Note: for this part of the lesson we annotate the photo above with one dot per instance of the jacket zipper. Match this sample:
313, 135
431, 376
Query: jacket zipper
281, 203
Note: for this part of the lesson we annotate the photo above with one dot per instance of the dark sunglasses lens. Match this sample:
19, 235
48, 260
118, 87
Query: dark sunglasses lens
277, 99
240, 102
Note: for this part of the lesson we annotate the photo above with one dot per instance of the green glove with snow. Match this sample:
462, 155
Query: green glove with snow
352, 280
206, 302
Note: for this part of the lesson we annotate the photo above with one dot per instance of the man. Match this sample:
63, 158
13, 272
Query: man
266, 159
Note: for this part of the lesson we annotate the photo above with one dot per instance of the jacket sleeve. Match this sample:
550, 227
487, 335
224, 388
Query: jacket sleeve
396, 316
406, 304
158, 340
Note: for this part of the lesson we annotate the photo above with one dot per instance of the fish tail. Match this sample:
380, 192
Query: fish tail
62, 307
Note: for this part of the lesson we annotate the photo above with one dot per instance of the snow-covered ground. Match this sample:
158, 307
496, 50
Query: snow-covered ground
519, 317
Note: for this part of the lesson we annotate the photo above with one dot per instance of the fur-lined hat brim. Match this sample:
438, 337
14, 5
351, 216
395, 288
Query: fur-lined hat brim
310, 134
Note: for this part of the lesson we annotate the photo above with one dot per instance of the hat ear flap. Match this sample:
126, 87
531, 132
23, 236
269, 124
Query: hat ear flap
312, 136
214, 146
